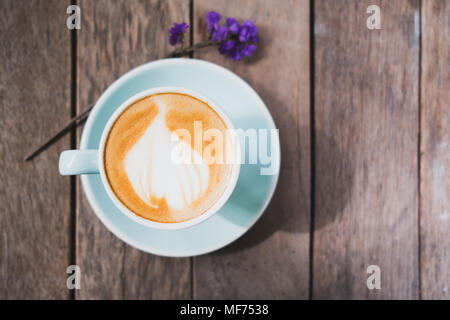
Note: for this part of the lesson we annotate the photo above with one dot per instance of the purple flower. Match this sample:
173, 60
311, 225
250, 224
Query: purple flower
236, 53
233, 25
231, 49
221, 34
248, 32
235, 41
212, 19
177, 33
226, 47
248, 49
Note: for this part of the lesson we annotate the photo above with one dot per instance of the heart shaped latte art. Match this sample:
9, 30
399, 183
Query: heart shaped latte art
154, 174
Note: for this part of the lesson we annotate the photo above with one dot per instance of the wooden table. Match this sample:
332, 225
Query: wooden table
364, 118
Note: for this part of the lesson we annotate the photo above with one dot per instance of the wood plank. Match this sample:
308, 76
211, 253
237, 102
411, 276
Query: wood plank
435, 150
35, 199
272, 259
366, 108
115, 37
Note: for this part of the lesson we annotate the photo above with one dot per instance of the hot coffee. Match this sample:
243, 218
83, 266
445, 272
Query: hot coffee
140, 151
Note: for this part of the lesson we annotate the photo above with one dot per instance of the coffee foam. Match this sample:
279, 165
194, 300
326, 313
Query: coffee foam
153, 174
139, 166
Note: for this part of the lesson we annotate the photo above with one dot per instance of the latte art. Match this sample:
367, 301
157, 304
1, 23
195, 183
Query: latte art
139, 164
153, 173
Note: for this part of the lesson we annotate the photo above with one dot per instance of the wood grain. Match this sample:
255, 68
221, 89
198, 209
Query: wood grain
366, 106
35, 199
115, 37
272, 259
435, 150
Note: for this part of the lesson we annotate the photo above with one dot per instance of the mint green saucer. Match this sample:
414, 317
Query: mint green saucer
253, 191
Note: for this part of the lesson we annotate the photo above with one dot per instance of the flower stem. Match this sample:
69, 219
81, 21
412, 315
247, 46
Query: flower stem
183, 51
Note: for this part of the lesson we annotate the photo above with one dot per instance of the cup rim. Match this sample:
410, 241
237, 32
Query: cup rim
234, 172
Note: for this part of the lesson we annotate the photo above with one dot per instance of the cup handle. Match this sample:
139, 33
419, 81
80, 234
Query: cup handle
72, 162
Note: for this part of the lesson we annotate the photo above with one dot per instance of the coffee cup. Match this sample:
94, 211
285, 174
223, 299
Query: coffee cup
74, 162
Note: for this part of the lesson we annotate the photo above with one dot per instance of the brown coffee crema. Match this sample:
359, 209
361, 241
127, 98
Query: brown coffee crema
138, 162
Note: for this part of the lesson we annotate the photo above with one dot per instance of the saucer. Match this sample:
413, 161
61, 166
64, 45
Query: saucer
253, 191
